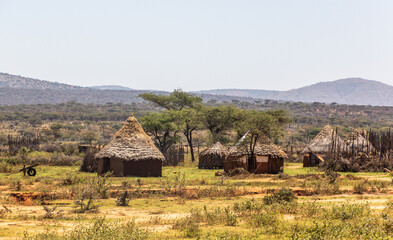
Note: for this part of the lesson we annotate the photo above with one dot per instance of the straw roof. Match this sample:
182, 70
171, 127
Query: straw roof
268, 149
215, 149
131, 143
357, 142
322, 143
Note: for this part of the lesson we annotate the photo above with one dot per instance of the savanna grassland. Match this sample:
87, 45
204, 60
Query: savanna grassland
61, 202
301, 203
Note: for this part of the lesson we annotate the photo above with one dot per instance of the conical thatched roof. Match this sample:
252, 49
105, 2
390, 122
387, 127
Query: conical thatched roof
268, 149
322, 143
357, 142
262, 148
271, 150
131, 143
215, 149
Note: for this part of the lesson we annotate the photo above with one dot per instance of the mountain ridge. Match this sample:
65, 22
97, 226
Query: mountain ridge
357, 91
22, 90
16, 81
111, 87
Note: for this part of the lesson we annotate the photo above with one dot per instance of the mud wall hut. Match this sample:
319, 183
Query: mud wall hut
213, 157
326, 142
130, 153
268, 158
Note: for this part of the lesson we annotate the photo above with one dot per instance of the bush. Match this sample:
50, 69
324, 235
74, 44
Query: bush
263, 220
101, 185
248, 205
89, 163
100, 229
347, 211
123, 199
50, 212
230, 217
59, 159
326, 186
284, 195
53, 159
71, 180
16, 185
189, 227
6, 167
85, 201
50, 147
360, 188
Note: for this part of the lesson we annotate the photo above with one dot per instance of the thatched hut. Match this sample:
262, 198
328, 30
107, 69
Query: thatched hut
213, 157
357, 142
131, 153
326, 142
268, 158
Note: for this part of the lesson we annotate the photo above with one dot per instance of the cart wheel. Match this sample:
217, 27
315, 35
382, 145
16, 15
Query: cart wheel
31, 172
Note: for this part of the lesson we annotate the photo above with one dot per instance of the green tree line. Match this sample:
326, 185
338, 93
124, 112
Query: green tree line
185, 113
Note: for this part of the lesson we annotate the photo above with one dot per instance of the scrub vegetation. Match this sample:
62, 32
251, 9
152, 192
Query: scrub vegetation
61, 202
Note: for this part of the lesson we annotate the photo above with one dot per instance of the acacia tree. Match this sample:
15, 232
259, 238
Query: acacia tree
259, 126
162, 126
219, 120
183, 107
177, 100
89, 136
190, 120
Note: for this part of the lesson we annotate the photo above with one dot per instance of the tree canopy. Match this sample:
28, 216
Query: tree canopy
177, 100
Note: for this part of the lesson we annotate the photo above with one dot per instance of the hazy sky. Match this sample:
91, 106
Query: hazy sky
193, 45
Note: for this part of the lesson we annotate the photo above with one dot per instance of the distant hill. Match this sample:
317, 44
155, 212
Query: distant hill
344, 91
110, 87
16, 90
358, 91
13, 81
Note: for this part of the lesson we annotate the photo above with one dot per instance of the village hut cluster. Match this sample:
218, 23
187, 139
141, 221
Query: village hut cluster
132, 153
328, 144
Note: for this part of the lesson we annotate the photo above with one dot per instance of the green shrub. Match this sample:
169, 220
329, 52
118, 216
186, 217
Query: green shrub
123, 199
101, 185
50, 212
347, 211
284, 195
248, 205
360, 188
263, 220
7, 167
192, 230
326, 187
100, 229
85, 201
230, 217
189, 227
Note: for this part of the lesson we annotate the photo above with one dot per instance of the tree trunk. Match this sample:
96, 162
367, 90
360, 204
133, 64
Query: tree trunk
188, 134
189, 140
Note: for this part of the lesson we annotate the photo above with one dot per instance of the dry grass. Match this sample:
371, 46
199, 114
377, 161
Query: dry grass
190, 203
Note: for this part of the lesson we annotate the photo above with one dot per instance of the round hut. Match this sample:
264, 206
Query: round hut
326, 142
268, 158
357, 142
213, 157
130, 153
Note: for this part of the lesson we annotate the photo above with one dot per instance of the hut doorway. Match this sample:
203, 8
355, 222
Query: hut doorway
107, 165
